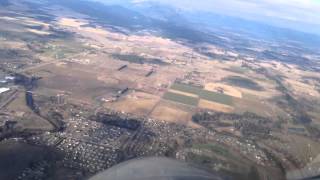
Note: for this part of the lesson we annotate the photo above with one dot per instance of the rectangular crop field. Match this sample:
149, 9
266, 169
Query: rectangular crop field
188, 100
214, 148
186, 88
204, 94
215, 97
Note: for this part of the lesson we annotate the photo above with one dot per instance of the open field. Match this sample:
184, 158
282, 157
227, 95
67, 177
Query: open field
26, 119
137, 59
226, 89
216, 97
204, 104
76, 81
186, 88
188, 100
19, 104
215, 148
303, 148
172, 112
138, 103
198, 97
237, 69
183, 93
203, 94
299, 87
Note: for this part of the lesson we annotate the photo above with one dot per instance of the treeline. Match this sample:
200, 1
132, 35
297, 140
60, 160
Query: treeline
251, 125
114, 120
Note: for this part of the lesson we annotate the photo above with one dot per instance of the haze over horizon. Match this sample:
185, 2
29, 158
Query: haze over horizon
301, 15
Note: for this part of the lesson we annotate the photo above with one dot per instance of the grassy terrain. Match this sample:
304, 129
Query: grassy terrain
216, 97
59, 52
249, 96
63, 49
236, 69
192, 101
204, 94
186, 88
137, 59
214, 148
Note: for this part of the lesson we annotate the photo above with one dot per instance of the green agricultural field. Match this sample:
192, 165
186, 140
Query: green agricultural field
237, 69
138, 59
192, 101
216, 97
186, 88
204, 94
214, 148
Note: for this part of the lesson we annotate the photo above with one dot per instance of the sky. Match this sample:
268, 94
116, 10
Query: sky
294, 14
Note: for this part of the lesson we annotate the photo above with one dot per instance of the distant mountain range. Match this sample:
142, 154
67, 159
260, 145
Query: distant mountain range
192, 26
215, 21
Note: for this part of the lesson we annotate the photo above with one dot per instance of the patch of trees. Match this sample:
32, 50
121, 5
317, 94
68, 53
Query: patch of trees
30, 102
286, 58
249, 124
252, 129
28, 82
314, 131
132, 58
300, 116
114, 120
10, 53
56, 119
243, 82
207, 117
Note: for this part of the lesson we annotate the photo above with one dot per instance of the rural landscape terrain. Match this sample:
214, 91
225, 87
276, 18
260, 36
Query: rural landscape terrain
85, 86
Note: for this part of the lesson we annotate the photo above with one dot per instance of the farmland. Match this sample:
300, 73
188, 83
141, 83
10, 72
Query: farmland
137, 59
203, 94
120, 93
181, 98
